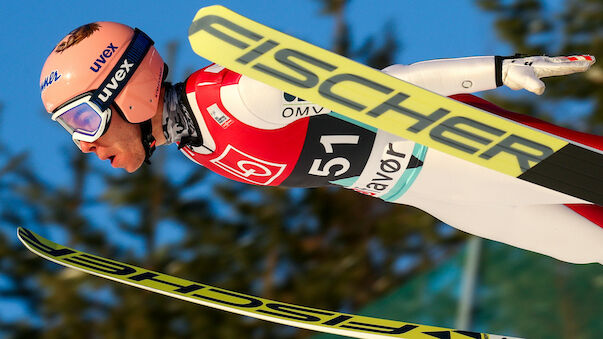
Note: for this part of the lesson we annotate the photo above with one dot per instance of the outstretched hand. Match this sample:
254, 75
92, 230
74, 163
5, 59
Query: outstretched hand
525, 73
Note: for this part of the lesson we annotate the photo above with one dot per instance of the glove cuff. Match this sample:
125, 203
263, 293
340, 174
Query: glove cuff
498, 61
498, 66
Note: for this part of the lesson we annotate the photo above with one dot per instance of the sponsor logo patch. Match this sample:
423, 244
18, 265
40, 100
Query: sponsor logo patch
247, 167
220, 117
103, 57
53, 77
294, 107
116, 80
380, 176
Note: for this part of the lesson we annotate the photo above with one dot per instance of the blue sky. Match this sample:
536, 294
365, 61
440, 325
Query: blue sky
426, 29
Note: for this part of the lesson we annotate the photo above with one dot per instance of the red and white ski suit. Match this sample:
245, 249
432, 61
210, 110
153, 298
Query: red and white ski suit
257, 134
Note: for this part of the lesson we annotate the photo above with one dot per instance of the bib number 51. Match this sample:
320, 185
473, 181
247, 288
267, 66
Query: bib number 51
327, 142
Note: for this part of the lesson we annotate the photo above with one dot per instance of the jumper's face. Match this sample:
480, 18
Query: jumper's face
121, 145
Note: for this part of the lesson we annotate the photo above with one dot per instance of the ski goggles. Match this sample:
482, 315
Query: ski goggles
86, 117
83, 119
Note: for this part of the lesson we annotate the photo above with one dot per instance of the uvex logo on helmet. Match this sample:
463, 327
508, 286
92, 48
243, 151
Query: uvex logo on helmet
102, 58
115, 81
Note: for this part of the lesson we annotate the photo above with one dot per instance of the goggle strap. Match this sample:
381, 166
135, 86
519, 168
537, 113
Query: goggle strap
113, 84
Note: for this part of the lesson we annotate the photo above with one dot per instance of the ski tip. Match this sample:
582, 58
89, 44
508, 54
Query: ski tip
22, 233
29, 238
209, 10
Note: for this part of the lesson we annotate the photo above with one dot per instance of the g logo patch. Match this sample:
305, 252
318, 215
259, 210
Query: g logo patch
247, 167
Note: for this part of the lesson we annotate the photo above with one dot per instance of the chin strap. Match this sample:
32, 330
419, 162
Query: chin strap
148, 140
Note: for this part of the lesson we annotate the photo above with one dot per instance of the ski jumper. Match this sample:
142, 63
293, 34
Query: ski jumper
257, 134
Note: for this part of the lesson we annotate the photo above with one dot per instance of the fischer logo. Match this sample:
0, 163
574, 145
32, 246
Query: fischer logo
119, 76
233, 301
102, 58
477, 141
247, 167
50, 79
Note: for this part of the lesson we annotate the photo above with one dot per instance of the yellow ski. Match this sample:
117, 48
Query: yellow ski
371, 97
293, 315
